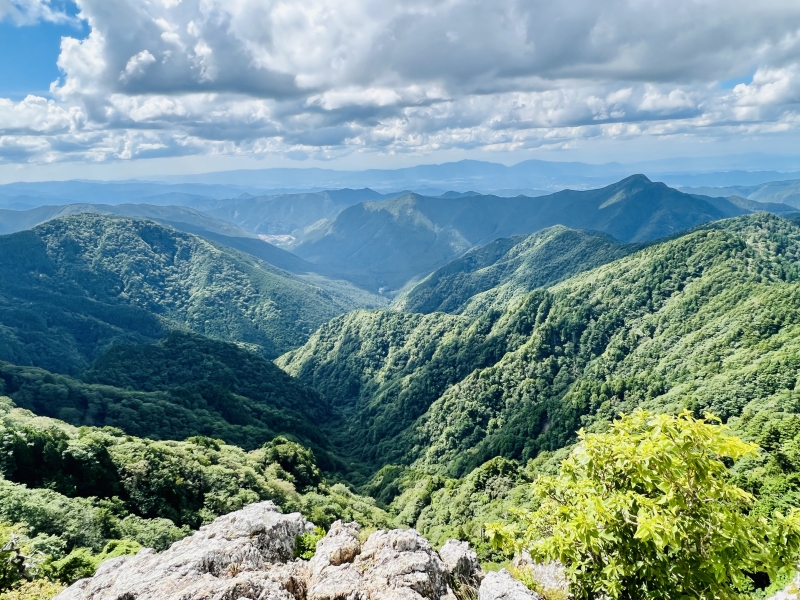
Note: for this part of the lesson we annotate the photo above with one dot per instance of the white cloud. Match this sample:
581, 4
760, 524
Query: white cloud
28, 12
318, 76
137, 65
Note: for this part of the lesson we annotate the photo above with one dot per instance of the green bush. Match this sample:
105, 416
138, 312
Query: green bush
306, 544
648, 511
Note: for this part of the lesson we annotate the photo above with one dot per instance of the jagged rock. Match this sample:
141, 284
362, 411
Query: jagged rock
395, 565
248, 555
550, 576
226, 559
461, 562
501, 586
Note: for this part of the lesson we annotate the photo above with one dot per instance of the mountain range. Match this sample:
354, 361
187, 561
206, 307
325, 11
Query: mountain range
208, 369
385, 245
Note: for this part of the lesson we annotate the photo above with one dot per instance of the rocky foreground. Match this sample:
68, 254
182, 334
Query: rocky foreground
250, 554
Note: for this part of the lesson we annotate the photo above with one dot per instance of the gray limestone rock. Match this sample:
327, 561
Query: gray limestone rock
248, 554
501, 586
461, 562
550, 576
227, 559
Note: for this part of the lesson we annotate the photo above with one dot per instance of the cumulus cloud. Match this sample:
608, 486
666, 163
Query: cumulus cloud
301, 77
28, 12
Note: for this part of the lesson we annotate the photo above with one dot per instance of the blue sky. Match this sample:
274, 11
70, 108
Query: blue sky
172, 86
28, 56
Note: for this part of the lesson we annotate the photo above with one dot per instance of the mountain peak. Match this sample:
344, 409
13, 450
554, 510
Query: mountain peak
637, 178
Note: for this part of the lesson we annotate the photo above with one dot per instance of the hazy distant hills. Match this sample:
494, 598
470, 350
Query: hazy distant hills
74, 286
287, 214
384, 245
12, 221
785, 193
489, 177
490, 276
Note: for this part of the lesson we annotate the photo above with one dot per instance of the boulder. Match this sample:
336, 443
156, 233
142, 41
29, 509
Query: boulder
461, 563
501, 586
790, 592
229, 558
249, 554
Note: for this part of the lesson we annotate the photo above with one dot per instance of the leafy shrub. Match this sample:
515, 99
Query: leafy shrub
648, 511
306, 544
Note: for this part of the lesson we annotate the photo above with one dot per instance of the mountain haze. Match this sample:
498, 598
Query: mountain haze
385, 245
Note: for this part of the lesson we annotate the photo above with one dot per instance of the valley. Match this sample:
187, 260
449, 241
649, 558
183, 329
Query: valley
408, 361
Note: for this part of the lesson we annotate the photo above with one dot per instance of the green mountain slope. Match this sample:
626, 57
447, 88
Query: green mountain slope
76, 494
72, 287
182, 386
707, 320
181, 218
386, 244
509, 267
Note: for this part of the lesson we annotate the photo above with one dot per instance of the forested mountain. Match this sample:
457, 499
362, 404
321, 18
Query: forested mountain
73, 287
706, 320
491, 276
181, 218
387, 244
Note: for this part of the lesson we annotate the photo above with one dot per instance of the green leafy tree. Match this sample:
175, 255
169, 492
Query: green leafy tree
648, 511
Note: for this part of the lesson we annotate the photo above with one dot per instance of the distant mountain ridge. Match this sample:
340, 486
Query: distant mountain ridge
385, 245
785, 193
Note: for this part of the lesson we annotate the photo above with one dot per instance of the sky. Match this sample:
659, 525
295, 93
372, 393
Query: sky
130, 88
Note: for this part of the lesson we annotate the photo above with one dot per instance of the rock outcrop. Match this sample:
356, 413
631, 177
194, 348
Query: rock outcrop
549, 576
501, 586
249, 554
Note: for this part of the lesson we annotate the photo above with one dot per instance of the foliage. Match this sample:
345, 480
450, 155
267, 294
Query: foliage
76, 497
182, 386
647, 510
38, 589
73, 287
296, 462
490, 276
306, 545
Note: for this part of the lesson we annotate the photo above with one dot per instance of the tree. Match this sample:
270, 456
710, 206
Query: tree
648, 511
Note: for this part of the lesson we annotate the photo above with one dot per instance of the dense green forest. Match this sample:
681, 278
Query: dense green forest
75, 495
705, 321
489, 277
73, 287
125, 337
182, 386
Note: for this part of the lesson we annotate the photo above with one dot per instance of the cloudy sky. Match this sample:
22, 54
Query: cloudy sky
117, 87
